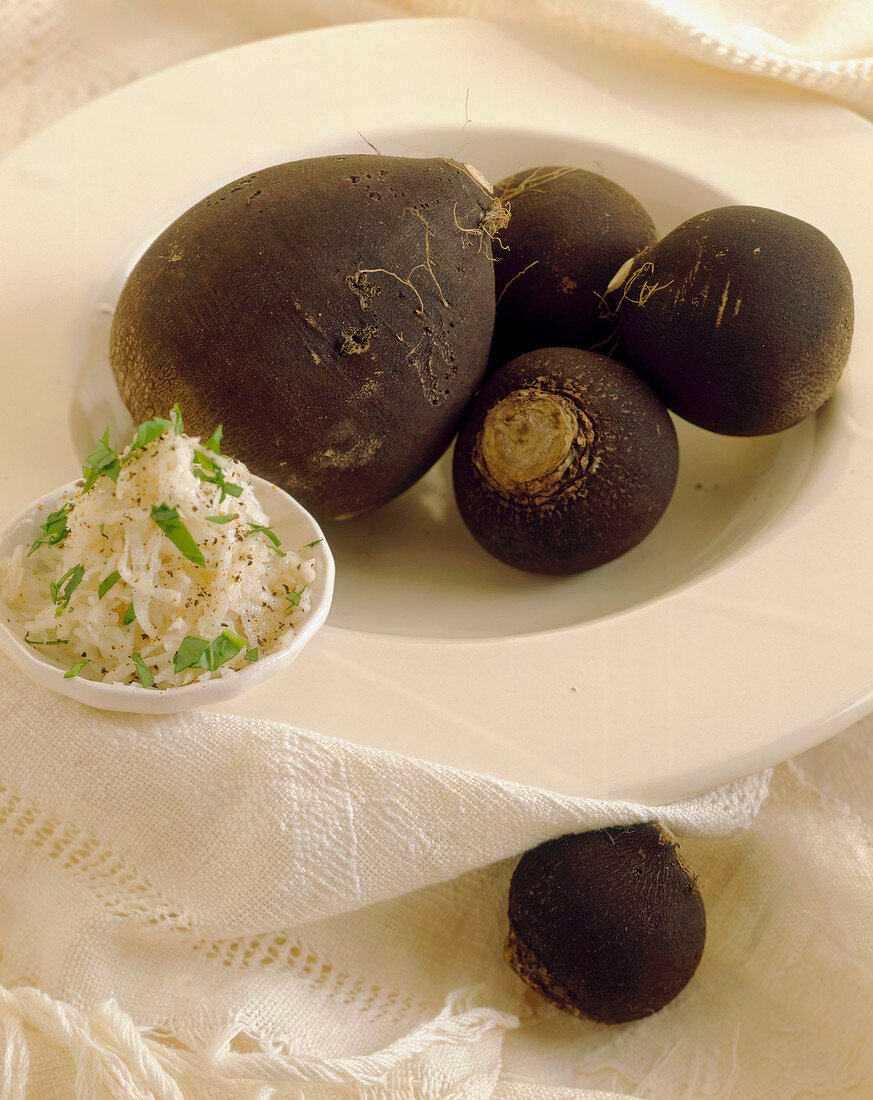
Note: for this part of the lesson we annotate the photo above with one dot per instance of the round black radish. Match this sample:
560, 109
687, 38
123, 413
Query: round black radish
333, 314
740, 319
564, 461
569, 232
608, 925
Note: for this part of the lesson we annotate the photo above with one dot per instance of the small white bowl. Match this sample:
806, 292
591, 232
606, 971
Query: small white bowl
292, 524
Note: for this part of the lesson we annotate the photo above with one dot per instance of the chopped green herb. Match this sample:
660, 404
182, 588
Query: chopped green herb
314, 542
54, 530
211, 472
224, 648
190, 654
145, 677
271, 535
222, 519
129, 616
198, 653
102, 460
57, 641
146, 433
167, 519
294, 597
176, 417
107, 583
252, 654
76, 669
60, 593
213, 443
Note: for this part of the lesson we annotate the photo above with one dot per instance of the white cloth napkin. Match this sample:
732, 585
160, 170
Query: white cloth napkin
216, 907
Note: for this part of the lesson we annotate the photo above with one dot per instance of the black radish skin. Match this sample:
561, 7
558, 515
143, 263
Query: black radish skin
740, 319
333, 314
607, 925
569, 232
564, 461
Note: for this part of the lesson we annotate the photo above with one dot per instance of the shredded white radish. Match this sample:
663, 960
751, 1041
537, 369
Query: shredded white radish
248, 593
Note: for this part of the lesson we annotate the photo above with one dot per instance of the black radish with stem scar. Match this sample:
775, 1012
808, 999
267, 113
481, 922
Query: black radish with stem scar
334, 314
564, 461
740, 319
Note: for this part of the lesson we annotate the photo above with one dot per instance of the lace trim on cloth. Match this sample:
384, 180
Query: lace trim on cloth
109, 878
377, 1002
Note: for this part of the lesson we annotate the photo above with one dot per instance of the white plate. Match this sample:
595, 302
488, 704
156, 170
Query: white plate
735, 636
